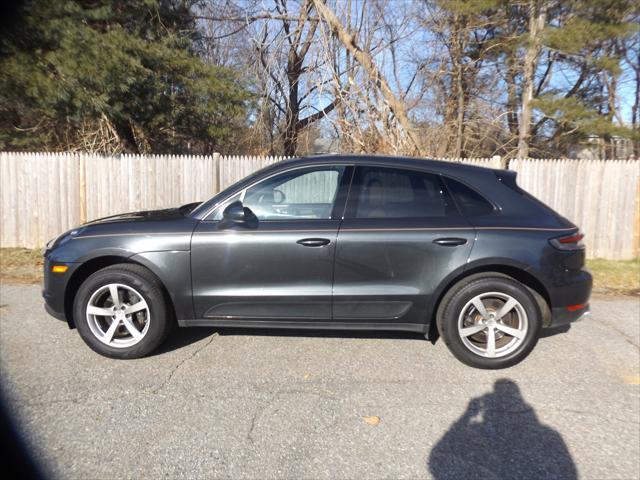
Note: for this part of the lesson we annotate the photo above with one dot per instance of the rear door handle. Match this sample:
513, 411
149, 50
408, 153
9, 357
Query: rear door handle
450, 242
314, 242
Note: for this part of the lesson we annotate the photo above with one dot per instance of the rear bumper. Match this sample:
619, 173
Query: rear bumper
562, 316
570, 300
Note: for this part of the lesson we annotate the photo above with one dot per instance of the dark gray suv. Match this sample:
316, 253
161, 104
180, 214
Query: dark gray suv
334, 242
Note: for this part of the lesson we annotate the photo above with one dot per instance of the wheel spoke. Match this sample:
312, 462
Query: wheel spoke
491, 342
135, 333
136, 307
477, 302
466, 332
113, 290
104, 312
506, 308
108, 336
514, 332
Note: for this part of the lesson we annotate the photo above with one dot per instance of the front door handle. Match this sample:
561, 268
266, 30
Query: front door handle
314, 242
450, 242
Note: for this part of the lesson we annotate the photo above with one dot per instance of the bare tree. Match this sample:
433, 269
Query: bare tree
366, 62
278, 49
439, 78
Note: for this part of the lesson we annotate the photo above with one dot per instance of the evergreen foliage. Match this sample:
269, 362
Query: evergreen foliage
73, 66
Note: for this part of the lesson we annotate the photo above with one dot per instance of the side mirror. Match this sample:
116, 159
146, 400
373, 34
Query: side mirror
235, 212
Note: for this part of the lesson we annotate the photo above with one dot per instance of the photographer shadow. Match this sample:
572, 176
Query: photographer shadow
499, 437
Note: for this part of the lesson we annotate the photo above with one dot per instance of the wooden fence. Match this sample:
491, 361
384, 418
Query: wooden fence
601, 196
44, 194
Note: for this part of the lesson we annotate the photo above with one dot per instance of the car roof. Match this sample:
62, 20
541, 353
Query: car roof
386, 160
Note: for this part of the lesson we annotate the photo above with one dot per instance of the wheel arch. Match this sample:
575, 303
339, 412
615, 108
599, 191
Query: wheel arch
515, 272
91, 266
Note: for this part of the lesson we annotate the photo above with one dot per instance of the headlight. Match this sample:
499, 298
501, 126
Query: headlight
49, 245
54, 242
51, 242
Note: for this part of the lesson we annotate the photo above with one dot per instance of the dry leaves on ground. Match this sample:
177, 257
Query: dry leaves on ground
372, 420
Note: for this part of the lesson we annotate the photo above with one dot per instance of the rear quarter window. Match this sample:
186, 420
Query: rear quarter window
470, 202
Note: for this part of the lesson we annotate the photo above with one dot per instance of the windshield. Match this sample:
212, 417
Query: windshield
187, 208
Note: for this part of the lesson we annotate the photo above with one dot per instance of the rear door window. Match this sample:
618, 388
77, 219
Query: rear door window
399, 193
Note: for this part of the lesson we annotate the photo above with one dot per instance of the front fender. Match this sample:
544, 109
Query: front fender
173, 269
76, 253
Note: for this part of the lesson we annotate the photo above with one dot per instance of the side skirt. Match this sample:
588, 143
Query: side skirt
313, 325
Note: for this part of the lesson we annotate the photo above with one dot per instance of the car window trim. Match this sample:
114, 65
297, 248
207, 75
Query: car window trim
222, 203
342, 196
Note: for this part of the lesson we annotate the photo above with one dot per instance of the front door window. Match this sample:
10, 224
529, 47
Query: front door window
300, 194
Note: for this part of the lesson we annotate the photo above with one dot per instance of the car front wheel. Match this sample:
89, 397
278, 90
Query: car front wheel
120, 312
490, 322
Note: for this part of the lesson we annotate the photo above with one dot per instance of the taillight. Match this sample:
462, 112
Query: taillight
569, 242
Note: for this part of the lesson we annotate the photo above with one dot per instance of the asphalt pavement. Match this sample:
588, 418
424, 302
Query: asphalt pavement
297, 404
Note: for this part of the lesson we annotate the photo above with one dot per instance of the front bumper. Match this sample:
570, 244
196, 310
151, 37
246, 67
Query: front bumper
55, 285
49, 309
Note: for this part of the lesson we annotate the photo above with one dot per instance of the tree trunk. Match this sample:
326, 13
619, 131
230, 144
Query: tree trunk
126, 137
537, 21
290, 141
635, 109
460, 115
366, 61
512, 103
456, 60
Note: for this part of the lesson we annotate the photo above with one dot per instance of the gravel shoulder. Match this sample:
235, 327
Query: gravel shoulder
274, 404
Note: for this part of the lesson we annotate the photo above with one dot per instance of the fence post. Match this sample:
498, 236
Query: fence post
83, 189
216, 164
498, 162
635, 246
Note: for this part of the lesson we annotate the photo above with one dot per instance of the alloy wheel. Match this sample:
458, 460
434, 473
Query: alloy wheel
118, 315
493, 324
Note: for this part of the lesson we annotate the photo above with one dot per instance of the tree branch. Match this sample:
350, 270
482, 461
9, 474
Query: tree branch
303, 122
365, 59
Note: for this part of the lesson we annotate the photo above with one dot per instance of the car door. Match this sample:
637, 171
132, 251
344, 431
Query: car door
401, 236
280, 266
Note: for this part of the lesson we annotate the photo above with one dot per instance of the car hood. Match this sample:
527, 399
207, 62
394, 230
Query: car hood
146, 216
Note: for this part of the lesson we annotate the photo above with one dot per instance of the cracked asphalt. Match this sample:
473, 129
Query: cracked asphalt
292, 404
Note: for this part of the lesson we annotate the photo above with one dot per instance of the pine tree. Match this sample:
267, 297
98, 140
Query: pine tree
128, 67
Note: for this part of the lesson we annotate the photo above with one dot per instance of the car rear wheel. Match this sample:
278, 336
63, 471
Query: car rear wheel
120, 312
490, 322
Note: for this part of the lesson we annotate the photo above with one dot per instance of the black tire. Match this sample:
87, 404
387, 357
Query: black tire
457, 300
146, 285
